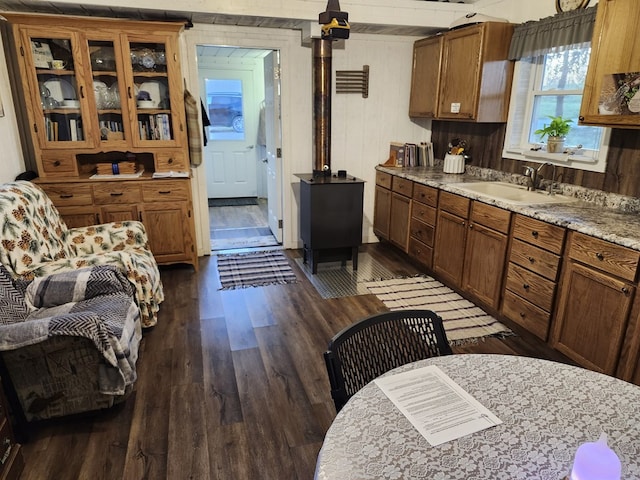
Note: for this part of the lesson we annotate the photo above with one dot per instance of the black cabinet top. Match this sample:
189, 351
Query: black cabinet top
311, 179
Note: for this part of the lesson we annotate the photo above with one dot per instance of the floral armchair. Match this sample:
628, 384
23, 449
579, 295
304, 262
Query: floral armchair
36, 242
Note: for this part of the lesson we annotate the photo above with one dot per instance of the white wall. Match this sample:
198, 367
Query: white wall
11, 161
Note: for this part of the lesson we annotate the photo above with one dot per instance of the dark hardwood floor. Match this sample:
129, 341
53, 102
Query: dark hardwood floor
231, 385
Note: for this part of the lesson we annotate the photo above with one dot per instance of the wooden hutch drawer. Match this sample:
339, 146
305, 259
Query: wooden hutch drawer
425, 194
58, 164
68, 194
421, 252
527, 315
421, 231
535, 259
402, 186
165, 191
530, 286
492, 217
605, 256
383, 179
108, 193
175, 160
542, 234
456, 204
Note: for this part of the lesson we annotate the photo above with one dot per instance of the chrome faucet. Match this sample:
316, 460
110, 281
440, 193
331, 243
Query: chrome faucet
533, 176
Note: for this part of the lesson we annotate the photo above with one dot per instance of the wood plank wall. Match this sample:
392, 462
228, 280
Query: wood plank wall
485, 147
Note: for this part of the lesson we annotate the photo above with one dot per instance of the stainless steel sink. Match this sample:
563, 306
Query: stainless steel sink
511, 193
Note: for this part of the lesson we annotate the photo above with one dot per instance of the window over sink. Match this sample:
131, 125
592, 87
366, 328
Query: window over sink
550, 85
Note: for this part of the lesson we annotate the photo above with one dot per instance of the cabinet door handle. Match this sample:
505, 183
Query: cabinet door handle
164, 192
81, 91
599, 256
463, 223
532, 260
522, 315
66, 195
56, 163
116, 194
170, 161
129, 92
534, 233
471, 225
625, 290
525, 286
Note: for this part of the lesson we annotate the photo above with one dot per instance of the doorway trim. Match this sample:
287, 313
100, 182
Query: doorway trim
274, 39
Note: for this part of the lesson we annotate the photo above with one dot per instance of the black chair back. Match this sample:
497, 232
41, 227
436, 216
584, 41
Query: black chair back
372, 346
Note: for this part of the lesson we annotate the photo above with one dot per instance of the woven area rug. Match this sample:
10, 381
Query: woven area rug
463, 321
254, 269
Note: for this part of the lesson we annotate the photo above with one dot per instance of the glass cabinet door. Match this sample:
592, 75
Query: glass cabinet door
60, 104
108, 85
152, 96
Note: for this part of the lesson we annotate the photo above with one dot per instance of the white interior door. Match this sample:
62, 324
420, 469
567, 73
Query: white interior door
274, 144
230, 154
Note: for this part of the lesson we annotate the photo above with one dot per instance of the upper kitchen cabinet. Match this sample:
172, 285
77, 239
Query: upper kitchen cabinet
463, 74
612, 88
425, 78
96, 86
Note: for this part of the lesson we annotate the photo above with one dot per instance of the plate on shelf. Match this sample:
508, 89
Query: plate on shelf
100, 91
157, 92
60, 89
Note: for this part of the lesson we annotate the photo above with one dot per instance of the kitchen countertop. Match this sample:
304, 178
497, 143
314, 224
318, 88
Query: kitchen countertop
608, 216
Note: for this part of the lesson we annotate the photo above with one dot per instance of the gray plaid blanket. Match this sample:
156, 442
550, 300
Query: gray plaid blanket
94, 303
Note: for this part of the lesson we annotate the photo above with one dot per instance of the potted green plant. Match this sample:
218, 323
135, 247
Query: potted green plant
556, 133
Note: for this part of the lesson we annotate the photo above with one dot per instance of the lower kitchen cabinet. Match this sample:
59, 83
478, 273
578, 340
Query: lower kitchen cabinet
532, 274
595, 302
402, 190
423, 224
451, 237
485, 253
382, 205
163, 206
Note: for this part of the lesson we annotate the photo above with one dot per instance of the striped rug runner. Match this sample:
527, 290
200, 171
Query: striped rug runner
463, 321
254, 269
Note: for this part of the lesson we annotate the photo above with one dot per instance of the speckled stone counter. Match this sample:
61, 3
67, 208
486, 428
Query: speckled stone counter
608, 216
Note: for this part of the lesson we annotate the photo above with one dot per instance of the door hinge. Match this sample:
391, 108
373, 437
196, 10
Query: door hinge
280, 223
278, 152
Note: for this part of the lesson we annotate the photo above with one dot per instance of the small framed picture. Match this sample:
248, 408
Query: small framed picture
42, 57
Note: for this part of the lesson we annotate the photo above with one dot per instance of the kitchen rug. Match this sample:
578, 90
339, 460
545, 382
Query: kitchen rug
463, 321
333, 280
254, 269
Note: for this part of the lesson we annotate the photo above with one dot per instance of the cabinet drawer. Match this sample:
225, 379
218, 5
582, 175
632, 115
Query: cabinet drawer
110, 193
383, 179
58, 164
421, 231
69, 194
455, 204
425, 194
530, 286
542, 234
527, 315
173, 160
605, 256
535, 259
165, 191
424, 213
402, 186
421, 252
492, 217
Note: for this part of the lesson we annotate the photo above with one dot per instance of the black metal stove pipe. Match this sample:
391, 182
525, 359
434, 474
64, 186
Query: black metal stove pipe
322, 50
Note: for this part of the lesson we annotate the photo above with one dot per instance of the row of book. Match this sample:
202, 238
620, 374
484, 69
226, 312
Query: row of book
65, 130
411, 154
154, 127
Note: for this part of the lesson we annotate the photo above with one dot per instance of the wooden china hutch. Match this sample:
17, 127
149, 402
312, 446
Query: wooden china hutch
104, 106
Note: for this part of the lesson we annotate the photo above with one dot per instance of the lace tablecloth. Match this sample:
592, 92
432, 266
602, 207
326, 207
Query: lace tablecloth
548, 409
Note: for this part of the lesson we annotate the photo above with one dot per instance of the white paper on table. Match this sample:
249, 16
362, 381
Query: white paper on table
435, 405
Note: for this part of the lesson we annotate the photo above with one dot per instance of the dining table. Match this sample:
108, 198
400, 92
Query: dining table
547, 409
